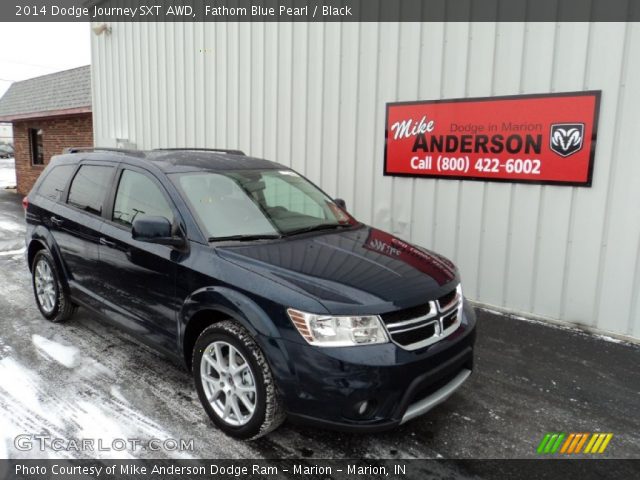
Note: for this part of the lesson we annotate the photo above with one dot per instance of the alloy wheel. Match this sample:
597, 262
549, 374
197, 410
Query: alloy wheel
45, 286
228, 383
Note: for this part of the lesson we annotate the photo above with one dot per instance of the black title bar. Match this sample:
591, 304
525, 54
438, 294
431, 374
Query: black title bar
319, 10
318, 469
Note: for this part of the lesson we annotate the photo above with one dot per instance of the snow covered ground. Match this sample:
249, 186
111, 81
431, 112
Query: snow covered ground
7, 172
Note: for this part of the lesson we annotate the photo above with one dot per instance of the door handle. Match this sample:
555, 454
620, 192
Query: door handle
56, 221
107, 243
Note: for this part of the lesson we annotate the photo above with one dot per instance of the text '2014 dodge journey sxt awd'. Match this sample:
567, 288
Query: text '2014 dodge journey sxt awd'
278, 300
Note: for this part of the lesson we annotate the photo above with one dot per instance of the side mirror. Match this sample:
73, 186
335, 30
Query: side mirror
341, 203
155, 230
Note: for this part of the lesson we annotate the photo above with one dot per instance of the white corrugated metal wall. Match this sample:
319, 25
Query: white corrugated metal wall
313, 96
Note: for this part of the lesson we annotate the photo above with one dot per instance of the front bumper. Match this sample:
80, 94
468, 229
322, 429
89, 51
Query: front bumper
331, 384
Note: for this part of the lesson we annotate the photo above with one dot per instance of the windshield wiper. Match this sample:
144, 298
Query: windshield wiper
315, 228
244, 238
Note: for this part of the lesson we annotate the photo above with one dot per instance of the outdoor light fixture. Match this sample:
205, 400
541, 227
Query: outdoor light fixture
101, 28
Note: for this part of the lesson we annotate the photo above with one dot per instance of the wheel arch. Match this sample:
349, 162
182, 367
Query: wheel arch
210, 305
34, 247
198, 322
41, 239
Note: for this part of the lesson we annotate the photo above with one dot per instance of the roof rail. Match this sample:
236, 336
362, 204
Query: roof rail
77, 149
218, 150
99, 149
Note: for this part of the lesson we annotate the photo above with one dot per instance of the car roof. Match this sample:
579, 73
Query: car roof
174, 160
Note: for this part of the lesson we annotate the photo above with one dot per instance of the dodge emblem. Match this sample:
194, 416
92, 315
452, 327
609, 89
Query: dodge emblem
566, 138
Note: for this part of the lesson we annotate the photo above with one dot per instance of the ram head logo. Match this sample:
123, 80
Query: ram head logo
567, 138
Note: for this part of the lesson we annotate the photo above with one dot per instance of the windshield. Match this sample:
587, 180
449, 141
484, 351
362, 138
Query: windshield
258, 203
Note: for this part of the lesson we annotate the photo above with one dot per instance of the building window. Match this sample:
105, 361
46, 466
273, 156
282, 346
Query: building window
35, 142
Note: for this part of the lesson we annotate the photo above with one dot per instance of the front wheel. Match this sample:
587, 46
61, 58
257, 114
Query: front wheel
234, 382
54, 304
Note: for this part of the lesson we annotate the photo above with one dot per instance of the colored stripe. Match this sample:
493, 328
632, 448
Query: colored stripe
572, 443
575, 442
558, 442
550, 443
601, 437
594, 437
607, 439
584, 439
567, 443
543, 443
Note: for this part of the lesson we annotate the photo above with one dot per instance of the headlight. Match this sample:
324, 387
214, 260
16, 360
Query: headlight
342, 331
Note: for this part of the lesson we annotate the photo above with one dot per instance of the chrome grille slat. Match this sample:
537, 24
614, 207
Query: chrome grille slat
453, 303
435, 317
413, 327
432, 314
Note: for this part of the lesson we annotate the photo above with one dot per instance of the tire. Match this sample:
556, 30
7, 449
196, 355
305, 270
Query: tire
54, 304
252, 372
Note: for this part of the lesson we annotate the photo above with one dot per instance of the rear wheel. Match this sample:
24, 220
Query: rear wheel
234, 382
54, 304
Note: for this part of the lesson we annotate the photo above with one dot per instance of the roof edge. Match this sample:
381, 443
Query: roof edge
52, 74
46, 114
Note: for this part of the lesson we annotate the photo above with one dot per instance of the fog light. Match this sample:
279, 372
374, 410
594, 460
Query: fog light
361, 410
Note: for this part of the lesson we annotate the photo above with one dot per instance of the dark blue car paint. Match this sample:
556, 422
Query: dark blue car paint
153, 292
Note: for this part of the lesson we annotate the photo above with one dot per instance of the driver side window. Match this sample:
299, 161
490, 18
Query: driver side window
138, 195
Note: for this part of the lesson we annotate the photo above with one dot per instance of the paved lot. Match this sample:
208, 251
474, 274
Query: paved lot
86, 380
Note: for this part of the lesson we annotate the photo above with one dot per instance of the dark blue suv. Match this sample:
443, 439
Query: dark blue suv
279, 301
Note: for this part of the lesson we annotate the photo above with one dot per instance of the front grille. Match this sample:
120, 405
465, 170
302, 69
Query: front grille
415, 334
420, 326
449, 320
406, 314
446, 301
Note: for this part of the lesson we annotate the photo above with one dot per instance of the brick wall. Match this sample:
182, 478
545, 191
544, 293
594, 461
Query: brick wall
57, 134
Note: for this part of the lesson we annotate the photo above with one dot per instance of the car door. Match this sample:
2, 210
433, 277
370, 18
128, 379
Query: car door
138, 287
75, 226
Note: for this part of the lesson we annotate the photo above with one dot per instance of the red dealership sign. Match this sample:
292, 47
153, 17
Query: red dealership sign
525, 138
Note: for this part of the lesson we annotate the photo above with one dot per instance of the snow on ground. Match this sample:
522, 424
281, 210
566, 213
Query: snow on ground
11, 215
13, 253
20, 385
11, 226
63, 354
77, 410
7, 172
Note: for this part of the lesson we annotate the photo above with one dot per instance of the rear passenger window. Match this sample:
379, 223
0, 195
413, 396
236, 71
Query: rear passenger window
55, 181
139, 195
89, 188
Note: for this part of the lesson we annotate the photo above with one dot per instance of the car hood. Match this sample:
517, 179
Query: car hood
362, 270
